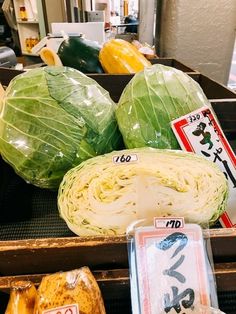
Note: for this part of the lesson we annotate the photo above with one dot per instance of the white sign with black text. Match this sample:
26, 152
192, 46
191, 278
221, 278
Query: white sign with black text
166, 282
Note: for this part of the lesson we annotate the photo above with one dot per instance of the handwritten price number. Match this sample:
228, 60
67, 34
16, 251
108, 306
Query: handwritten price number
125, 158
173, 223
194, 117
170, 223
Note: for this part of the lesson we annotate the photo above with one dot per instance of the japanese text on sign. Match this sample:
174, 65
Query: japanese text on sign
199, 132
163, 257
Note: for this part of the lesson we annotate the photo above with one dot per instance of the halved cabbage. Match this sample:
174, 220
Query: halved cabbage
103, 197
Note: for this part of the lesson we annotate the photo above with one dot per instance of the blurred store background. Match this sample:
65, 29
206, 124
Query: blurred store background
201, 33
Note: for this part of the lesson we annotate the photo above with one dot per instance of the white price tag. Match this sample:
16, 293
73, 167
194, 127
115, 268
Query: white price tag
166, 282
200, 132
125, 158
172, 222
66, 309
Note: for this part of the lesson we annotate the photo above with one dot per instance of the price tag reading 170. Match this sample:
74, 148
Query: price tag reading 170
172, 222
122, 159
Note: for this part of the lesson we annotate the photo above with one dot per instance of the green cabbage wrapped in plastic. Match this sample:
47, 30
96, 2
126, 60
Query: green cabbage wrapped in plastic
101, 196
52, 119
151, 100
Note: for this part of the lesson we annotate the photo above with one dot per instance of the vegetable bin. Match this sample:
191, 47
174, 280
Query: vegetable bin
43, 244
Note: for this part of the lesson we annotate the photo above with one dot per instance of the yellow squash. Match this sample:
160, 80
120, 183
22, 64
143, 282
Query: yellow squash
119, 56
50, 57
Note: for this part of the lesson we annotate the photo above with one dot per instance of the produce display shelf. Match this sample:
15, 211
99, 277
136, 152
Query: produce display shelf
108, 259
211, 88
172, 63
40, 242
100, 253
7, 74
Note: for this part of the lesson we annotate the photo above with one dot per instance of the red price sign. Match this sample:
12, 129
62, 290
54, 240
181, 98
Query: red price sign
199, 132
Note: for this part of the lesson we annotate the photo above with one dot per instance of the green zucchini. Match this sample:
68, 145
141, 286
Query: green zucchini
81, 54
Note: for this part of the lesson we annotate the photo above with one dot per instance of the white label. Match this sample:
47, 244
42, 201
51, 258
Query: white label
66, 309
166, 282
199, 132
125, 158
172, 222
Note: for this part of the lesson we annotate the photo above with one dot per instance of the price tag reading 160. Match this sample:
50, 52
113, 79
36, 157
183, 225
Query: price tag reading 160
122, 159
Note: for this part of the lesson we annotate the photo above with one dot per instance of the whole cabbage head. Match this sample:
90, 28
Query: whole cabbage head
52, 119
151, 100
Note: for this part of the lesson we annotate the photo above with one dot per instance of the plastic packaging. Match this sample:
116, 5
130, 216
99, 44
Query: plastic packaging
74, 292
22, 298
171, 270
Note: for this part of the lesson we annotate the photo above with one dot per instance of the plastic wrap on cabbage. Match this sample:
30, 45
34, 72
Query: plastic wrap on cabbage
151, 100
53, 118
102, 197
